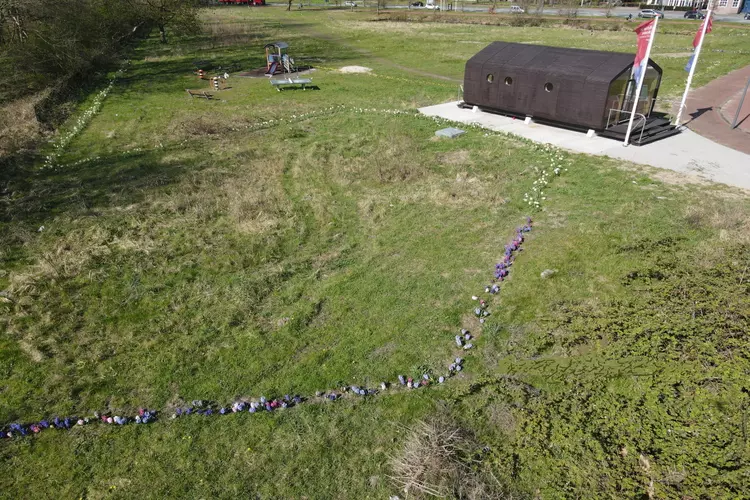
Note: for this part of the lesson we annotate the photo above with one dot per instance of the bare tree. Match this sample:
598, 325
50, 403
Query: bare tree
182, 14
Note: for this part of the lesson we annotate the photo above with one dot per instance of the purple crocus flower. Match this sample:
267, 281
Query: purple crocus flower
401, 380
223, 411
441, 379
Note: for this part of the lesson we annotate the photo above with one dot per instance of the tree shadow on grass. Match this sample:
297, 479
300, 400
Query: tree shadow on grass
34, 196
167, 69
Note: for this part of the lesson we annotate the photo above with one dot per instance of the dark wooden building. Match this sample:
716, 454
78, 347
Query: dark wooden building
586, 89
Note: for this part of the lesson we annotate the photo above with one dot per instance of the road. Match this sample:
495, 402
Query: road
617, 12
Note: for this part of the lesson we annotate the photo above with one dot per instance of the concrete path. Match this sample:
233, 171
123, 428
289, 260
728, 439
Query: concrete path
688, 152
709, 110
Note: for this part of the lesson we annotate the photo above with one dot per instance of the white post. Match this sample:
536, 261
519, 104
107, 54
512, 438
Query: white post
639, 83
695, 63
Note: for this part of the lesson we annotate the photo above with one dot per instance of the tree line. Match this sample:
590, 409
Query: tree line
66, 37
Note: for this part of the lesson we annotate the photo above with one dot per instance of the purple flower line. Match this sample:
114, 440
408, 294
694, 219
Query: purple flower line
207, 408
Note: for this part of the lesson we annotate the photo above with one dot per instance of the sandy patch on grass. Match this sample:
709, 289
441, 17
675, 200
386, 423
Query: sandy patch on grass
355, 69
31, 351
459, 157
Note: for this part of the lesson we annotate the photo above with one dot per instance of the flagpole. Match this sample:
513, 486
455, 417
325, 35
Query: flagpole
639, 84
695, 62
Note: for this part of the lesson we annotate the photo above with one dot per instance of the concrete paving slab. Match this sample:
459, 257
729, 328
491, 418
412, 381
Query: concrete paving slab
450, 132
688, 152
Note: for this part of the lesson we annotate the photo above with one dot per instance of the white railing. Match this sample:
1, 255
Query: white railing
640, 116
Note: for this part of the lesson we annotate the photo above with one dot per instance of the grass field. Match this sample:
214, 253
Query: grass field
272, 243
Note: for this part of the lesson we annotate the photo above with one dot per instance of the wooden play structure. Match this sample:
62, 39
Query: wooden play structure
278, 60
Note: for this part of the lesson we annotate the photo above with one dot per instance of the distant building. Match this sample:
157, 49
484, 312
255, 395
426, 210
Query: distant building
722, 7
728, 6
678, 3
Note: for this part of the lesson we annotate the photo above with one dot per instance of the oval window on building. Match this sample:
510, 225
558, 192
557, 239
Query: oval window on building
548, 87
508, 80
490, 77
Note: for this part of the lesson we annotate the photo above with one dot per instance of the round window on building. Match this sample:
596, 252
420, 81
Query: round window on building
508, 80
548, 87
490, 78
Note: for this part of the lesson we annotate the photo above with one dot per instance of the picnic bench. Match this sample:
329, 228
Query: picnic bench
289, 82
199, 93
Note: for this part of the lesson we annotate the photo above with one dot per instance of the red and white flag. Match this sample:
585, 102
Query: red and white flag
644, 32
699, 39
699, 34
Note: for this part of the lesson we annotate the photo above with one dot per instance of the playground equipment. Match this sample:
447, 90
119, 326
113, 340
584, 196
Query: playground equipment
291, 82
278, 60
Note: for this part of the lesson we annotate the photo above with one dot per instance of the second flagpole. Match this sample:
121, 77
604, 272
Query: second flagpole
696, 54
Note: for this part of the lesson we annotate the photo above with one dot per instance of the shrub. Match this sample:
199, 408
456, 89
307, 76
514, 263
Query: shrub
441, 459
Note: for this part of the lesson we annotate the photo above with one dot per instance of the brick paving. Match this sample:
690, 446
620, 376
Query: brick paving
710, 110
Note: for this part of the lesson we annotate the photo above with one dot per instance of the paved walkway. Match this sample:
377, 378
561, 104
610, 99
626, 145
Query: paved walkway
688, 152
711, 109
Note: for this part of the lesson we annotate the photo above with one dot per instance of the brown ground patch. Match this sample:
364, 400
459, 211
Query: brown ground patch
459, 157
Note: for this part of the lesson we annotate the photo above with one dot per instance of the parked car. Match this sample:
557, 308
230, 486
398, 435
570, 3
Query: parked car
515, 9
431, 5
650, 13
417, 4
350, 3
747, 15
694, 14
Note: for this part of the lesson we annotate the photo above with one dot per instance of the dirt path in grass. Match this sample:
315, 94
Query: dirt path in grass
387, 62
